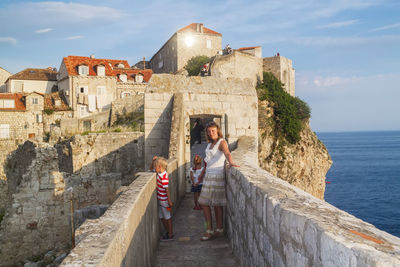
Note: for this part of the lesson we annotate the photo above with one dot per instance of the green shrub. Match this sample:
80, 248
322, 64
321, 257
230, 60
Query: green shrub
194, 65
117, 130
49, 111
290, 113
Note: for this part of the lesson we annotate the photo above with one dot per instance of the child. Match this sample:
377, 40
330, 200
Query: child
196, 175
163, 197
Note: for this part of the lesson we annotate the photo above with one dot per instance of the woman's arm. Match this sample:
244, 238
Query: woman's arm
223, 146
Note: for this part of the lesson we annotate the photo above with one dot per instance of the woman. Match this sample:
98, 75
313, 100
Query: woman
213, 191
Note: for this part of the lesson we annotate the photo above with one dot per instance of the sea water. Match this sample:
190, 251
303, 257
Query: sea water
364, 179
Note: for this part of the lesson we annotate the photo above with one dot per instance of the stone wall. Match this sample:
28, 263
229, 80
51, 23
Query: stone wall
272, 223
38, 205
166, 59
283, 70
55, 118
128, 233
200, 95
126, 105
238, 65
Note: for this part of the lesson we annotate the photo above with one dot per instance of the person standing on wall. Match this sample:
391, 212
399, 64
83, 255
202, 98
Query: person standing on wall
213, 193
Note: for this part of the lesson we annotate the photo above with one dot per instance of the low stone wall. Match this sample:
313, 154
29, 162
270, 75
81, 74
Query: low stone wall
128, 233
272, 223
127, 105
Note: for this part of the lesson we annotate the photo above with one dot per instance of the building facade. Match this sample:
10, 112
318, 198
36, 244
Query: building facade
3, 78
90, 85
30, 80
192, 40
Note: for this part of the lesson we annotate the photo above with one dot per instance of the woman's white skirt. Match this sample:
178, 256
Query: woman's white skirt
213, 192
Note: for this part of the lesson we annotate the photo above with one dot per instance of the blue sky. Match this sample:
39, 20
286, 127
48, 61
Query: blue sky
346, 53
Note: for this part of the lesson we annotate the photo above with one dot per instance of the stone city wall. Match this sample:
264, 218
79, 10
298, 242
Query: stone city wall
283, 70
272, 223
126, 105
238, 65
37, 217
128, 233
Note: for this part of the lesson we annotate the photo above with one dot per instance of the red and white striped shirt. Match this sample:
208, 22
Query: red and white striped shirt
162, 184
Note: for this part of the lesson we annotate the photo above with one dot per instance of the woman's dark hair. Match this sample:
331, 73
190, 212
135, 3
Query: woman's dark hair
219, 132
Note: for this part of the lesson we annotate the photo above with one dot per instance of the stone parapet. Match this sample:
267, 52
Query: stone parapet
128, 233
272, 223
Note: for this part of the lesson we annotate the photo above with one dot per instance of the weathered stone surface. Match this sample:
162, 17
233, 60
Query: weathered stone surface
297, 228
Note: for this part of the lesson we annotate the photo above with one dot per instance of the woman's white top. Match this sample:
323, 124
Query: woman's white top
196, 174
215, 159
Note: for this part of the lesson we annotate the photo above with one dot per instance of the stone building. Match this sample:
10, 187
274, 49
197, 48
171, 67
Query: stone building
30, 80
252, 50
21, 116
192, 40
3, 78
283, 70
90, 84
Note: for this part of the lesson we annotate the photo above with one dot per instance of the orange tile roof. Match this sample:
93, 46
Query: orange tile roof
35, 74
132, 72
111, 67
193, 27
50, 99
19, 101
72, 63
248, 48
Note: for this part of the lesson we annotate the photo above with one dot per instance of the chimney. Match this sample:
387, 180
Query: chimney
92, 56
201, 27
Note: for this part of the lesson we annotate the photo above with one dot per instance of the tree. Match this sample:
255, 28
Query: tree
194, 65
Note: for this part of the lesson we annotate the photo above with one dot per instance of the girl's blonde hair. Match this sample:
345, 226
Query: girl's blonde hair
197, 160
160, 161
219, 132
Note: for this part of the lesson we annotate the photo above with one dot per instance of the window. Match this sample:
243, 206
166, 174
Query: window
7, 103
120, 65
160, 64
39, 118
139, 78
4, 131
209, 43
123, 78
83, 70
101, 70
83, 89
83, 111
35, 101
101, 90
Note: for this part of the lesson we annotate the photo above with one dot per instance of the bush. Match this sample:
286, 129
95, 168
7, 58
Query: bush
194, 65
290, 113
49, 111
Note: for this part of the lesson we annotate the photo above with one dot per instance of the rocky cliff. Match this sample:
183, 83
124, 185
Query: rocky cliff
303, 164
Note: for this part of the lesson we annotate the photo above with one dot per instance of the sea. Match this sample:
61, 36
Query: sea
364, 179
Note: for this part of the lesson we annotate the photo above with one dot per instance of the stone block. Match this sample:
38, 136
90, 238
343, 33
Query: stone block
292, 226
333, 252
311, 240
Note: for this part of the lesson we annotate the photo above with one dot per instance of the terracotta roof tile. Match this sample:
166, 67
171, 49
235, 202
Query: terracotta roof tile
50, 100
193, 27
19, 102
35, 74
248, 48
111, 67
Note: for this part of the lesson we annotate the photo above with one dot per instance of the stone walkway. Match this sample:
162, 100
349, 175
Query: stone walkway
187, 249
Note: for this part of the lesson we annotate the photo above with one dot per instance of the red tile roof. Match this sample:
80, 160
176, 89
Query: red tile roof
35, 74
111, 67
50, 100
19, 102
248, 48
193, 27
132, 72
72, 63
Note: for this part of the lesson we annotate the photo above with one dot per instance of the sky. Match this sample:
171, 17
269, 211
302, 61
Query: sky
346, 53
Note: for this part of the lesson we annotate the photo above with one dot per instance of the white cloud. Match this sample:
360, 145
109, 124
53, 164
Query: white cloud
386, 27
74, 37
8, 40
338, 24
342, 41
44, 30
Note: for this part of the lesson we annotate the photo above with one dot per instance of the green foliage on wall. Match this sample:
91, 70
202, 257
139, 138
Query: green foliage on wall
194, 65
290, 113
